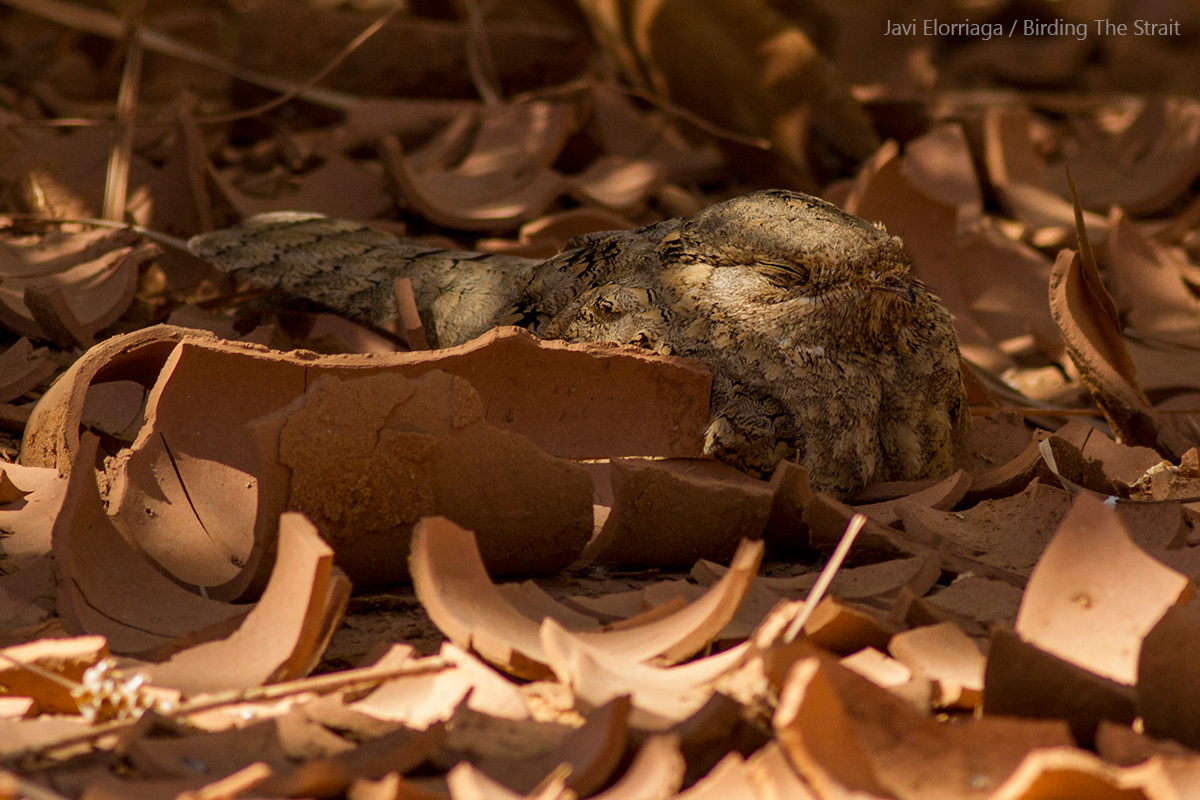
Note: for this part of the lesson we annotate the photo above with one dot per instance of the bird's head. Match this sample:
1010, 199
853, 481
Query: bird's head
803, 263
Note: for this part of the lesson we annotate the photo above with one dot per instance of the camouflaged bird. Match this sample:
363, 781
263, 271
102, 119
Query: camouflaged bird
823, 347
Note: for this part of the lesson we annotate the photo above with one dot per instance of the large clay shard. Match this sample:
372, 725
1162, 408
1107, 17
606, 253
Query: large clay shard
366, 458
572, 400
1094, 594
186, 491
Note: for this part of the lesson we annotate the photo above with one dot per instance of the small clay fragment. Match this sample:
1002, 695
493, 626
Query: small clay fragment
670, 514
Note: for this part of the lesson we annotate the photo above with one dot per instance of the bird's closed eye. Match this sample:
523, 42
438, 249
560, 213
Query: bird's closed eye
782, 274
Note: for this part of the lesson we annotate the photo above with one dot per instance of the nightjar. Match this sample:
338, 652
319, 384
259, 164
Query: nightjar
824, 348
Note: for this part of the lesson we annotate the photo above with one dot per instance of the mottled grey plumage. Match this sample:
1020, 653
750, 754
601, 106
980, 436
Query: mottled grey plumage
823, 347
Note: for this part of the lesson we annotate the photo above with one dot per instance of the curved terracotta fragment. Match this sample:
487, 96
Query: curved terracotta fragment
827, 519
947, 655
1010, 477
1168, 698
115, 408
22, 368
593, 752
282, 634
655, 774
673, 513
107, 588
994, 439
619, 184
910, 755
466, 782
451, 582
843, 629
661, 697
880, 669
943, 495
206, 754
572, 400
774, 777
680, 635
392, 753
66, 658
1011, 532
1144, 167
1120, 462
1018, 173
207, 392
95, 275
786, 533
1095, 594
185, 491
1022, 680
1069, 771
366, 458
818, 736
52, 435
418, 701
536, 603
981, 599
504, 180
1086, 318
730, 779
33, 497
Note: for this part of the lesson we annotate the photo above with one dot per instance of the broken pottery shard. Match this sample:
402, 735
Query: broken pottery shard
593, 752
656, 772
661, 697
366, 458
818, 735
22, 368
577, 400
32, 498
285, 632
1167, 693
142, 610
1094, 594
52, 435
186, 491
1010, 532
451, 582
785, 533
1070, 771
93, 278
910, 755
1086, 318
418, 701
66, 658
674, 513
573, 400
843, 629
942, 495
947, 655
1022, 680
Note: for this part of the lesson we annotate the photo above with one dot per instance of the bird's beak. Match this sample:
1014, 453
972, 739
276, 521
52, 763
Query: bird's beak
891, 282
